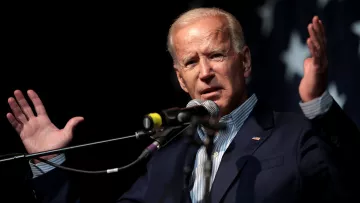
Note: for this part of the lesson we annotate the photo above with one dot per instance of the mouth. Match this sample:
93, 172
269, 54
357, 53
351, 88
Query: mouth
210, 90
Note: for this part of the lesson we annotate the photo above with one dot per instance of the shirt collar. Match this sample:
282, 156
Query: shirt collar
237, 117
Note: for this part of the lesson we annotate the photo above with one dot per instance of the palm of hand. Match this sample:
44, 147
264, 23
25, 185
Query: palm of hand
40, 134
37, 132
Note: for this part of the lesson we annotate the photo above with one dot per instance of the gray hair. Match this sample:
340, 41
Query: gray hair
236, 32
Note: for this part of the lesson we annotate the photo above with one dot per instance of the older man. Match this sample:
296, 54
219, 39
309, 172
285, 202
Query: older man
261, 156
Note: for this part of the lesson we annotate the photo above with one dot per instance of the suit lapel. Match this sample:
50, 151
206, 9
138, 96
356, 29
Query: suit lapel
255, 130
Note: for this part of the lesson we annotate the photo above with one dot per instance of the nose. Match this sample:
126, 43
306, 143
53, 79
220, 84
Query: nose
206, 71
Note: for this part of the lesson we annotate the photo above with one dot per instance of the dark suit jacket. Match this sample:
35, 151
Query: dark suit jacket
295, 160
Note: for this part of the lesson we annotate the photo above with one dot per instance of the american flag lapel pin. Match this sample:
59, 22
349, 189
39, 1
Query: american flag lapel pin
256, 138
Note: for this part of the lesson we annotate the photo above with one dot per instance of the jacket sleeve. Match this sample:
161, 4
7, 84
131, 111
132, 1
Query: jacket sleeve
328, 156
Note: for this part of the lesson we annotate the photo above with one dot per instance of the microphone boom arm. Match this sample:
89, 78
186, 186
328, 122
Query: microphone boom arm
18, 156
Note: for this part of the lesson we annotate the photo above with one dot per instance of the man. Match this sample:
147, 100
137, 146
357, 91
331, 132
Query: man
262, 155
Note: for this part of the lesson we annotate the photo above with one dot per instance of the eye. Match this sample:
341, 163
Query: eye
217, 56
190, 62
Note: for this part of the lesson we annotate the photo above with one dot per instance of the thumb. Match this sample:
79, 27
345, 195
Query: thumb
72, 123
307, 65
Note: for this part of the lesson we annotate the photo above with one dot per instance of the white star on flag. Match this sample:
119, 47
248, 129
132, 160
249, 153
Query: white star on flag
322, 3
355, 28
339, 98
266, 12
294, 56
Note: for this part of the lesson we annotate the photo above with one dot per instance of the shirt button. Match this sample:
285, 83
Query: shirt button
215, 154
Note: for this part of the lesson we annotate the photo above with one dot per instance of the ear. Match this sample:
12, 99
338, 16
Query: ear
180, 79
246, 61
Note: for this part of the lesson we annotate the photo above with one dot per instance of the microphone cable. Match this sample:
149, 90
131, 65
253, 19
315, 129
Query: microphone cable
107, 171
157, 144
145, 153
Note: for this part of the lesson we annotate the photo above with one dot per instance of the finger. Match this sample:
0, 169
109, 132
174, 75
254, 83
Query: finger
24, 105
318, 30
313, 36
18, 114
323, 59
72, 123
38, 105
14, 123
312, 50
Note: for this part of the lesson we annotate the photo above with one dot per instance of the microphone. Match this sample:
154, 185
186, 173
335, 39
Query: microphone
178, 116
175, 120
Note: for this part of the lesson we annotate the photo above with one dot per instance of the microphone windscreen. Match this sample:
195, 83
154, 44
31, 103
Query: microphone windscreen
212, 108
194, 102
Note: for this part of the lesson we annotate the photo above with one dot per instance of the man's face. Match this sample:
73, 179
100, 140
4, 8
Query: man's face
208, 67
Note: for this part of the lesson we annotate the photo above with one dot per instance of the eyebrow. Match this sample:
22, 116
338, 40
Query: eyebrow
219, 49
187, 58
209, 51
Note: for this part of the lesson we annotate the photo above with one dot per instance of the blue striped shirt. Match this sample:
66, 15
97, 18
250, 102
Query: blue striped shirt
222, 140
233, 121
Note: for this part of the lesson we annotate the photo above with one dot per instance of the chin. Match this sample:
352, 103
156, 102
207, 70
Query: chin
223, 107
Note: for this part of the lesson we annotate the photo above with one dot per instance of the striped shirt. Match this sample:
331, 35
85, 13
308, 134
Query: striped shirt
233, 121
222, 140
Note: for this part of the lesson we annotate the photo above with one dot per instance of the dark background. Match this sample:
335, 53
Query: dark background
108, 62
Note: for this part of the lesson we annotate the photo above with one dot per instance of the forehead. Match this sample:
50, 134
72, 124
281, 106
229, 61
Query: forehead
202, 34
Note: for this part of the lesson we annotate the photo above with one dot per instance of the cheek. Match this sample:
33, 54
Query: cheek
236, 76
232, 80
192, 90
231, 77
190, 82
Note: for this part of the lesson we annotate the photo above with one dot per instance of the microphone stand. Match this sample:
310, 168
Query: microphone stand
189, 157
209, 146
211, 128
